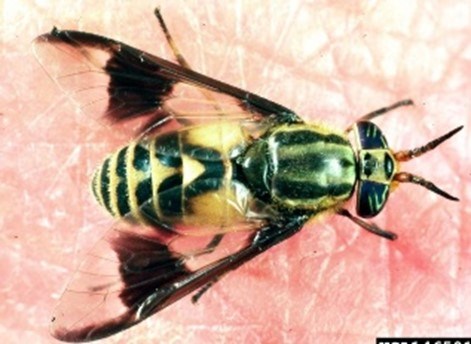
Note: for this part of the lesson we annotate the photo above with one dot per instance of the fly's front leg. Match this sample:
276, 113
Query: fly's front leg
382, 111
370, 227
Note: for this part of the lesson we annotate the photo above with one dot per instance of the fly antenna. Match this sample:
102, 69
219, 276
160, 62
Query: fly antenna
416, 152
405, 177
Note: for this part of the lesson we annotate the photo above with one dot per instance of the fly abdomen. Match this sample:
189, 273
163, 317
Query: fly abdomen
123, 183
185, 177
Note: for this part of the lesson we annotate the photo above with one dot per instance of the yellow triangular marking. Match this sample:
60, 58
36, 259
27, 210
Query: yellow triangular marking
192, 169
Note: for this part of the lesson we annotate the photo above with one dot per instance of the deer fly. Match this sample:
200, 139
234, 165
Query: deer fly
216, 176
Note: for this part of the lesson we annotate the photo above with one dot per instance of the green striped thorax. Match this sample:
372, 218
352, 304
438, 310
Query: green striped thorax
302, 167
311, 167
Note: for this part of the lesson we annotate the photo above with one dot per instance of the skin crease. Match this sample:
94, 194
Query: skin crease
333, 282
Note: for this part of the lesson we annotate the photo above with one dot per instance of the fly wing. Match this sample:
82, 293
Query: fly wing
108, 77
133, 272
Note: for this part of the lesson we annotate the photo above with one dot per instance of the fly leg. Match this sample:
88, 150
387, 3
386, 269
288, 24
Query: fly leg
382, 111
215, 241
179, 57
210, 247
370, 227
176, 52
196, 296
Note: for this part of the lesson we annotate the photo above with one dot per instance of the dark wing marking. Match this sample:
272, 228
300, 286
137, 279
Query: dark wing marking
139, 84
134, 272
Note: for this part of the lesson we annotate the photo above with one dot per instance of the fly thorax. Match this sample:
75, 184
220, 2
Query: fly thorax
302, 167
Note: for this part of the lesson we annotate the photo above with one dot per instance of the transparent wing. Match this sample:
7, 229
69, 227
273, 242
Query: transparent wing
134, 271
106, 77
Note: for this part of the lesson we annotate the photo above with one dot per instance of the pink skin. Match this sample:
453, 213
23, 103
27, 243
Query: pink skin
333, 283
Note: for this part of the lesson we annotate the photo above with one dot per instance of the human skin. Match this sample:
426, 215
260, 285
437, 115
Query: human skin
330, 62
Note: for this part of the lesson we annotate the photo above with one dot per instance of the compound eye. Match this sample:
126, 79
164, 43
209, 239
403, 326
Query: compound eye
371, 198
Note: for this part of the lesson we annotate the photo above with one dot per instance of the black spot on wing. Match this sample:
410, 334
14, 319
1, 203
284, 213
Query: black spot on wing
135, 87
146, 265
